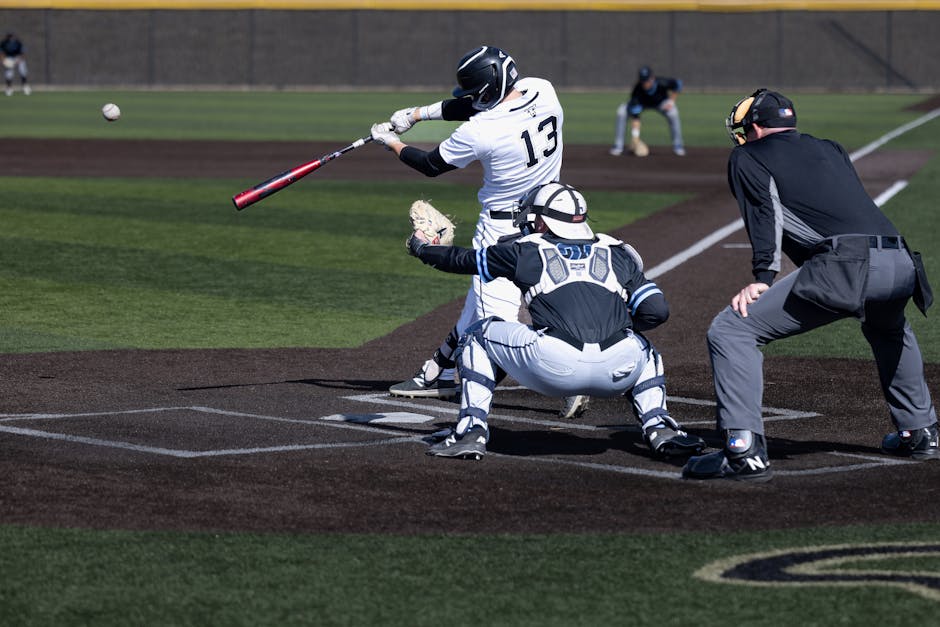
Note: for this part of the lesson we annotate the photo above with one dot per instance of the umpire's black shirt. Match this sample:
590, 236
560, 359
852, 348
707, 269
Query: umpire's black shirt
795, 190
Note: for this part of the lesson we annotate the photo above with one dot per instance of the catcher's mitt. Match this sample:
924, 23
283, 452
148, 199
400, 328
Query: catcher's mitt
438, 228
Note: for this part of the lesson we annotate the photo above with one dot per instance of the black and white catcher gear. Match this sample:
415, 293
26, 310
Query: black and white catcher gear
588, 299
486, 75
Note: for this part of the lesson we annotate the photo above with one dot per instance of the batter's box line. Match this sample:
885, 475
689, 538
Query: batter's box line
776, 413
189, 454
772, 414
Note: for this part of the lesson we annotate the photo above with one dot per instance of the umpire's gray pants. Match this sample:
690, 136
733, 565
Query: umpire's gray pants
734, 344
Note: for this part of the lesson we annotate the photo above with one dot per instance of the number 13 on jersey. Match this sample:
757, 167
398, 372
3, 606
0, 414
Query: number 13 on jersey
545, 141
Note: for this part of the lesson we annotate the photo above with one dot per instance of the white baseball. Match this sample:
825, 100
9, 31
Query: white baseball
111, 112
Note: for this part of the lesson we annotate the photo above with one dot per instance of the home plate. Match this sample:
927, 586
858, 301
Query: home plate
394, 417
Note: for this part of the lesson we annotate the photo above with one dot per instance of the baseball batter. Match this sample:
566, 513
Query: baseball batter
588, 299
513, 127
14, 60
801, 196
649, 92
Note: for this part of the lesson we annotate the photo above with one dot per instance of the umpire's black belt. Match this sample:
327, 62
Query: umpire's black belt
874, 241
578, 344
501, 215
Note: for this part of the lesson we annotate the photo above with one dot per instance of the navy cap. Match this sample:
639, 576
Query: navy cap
645, 73
772, 110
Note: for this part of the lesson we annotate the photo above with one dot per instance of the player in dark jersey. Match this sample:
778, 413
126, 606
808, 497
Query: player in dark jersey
589, 301
802, 197
13, 58
650, 92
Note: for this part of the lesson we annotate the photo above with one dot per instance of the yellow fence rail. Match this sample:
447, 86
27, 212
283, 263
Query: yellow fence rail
484, 5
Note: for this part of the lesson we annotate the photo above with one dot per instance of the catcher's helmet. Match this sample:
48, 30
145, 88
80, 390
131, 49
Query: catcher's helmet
767, 108
561, 206
485, 74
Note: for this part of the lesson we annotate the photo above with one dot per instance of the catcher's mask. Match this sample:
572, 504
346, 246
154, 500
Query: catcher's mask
764, 107
485, 75
561, 206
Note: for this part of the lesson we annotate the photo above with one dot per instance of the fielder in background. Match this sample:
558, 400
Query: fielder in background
649, 92
802, 197
513, 127
14, 60
589, 301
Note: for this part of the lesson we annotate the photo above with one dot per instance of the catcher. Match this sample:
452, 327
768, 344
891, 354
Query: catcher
585, 333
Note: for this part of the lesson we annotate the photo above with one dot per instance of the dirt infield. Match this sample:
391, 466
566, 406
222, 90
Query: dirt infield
307, 440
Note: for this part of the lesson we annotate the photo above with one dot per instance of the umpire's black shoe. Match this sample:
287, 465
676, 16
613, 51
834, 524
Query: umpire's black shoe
920, 444
744, 458
666, 439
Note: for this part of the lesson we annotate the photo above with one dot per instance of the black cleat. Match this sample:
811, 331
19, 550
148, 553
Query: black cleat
667, 440
920, 444
470, 445
744, 458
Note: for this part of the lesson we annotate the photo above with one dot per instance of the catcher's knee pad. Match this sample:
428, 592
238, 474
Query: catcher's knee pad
474, 331
473, 363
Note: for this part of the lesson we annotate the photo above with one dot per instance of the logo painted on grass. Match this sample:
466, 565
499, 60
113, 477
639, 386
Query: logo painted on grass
837, 565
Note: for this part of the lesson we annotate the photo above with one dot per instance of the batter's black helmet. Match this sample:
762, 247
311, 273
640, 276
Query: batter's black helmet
485, 74
764, 107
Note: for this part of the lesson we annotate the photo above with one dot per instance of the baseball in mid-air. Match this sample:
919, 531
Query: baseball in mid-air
111, 112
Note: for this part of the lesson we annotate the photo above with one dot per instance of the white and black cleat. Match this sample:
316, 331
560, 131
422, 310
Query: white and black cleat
470, 445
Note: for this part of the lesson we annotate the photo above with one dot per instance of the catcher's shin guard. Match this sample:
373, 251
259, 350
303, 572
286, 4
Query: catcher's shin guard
478, 377
661, 432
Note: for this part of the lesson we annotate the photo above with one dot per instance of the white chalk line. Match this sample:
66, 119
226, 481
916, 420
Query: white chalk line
383, 399
185, 453
777, 414
710, 240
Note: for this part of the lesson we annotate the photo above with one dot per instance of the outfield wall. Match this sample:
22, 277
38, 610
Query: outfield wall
850, 50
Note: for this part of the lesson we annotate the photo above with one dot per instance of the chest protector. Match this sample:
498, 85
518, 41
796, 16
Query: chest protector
563, 264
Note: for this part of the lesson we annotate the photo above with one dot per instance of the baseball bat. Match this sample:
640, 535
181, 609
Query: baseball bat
276, 183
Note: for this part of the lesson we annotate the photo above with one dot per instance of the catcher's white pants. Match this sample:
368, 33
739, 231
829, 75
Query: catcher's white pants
553, 367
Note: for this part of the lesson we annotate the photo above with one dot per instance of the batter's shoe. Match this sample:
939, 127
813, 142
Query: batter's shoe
744, 458
470, 445
424, 386
920, 444
574, 407
666, 439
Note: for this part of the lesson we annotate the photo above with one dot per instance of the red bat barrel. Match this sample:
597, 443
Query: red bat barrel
274, 184
282, 180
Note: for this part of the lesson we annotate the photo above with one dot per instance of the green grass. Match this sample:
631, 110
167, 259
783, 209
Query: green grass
342, 117
109, 263
76, 577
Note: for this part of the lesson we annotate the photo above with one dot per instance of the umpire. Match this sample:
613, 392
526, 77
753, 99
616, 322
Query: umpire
801, 196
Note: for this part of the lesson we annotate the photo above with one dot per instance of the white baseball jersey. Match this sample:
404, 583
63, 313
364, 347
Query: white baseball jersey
518, 143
